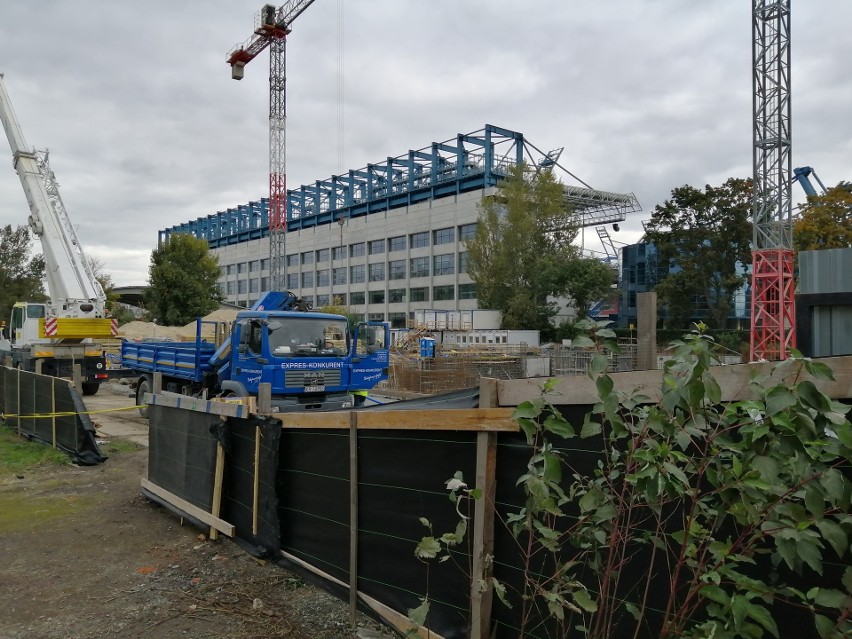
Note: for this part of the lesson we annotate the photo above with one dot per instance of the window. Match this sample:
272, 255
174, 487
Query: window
223, 288
309, 300
377, 272
264, 283
338, 253
419, 267
376, 247
232, 288
254, 285
376, 317
396, 270
308, 257
396, 244
397, 320
322, 277
307, 280
264, 264
241, 267
357, 250
443, 264
443, 292
231, 269
419, 294
356, 298
377, 297
467, 291
463, 262
338, 299
338, 276
356, 274
254, 266
323, 255
292, 281
418, 240
396, 295
293, 259
242, 287
467, 232
322, 300
444, 236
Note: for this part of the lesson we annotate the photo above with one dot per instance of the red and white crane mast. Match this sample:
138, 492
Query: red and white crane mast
271, 28
773, 309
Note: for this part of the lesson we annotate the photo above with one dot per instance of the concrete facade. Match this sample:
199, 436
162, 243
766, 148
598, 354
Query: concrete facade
382, 266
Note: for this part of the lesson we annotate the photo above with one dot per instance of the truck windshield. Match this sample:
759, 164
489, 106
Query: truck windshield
308, 337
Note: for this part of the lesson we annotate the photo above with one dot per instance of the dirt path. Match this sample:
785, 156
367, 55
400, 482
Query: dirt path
84, 555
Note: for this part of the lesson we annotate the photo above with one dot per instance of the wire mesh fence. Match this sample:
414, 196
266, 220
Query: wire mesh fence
451, 370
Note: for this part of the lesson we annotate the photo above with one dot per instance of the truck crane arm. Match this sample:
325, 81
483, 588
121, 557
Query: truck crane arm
70, 282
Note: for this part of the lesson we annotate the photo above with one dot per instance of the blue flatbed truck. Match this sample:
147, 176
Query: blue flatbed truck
313, 361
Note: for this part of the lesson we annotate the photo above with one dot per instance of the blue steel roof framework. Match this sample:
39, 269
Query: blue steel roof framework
466, 163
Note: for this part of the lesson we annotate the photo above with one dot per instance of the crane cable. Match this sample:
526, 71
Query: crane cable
340, 119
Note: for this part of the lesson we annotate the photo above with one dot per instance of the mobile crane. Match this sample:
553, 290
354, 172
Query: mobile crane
52, 337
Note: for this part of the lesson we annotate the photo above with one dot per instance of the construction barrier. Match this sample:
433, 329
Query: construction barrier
49, 410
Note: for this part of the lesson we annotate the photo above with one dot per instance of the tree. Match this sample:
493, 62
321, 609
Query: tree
182, 281
21, 274
589, 280
522, 247
701, 237
825, 221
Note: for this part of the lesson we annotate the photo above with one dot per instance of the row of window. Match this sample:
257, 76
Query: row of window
389, 245
380, 271
252, 266
373, 247
391, 296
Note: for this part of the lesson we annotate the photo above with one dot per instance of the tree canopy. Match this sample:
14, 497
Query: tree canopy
701, 237
182, 281
522, 255
21, 274
588, 281
825, 221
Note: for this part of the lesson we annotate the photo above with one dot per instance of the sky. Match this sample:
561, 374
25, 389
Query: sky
146, 129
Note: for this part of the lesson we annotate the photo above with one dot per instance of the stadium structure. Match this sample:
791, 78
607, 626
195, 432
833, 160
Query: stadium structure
387, 239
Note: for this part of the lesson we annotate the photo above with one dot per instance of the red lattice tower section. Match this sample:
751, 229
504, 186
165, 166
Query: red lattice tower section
773, 304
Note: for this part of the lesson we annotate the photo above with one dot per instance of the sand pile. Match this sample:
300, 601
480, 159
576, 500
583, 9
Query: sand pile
137, 330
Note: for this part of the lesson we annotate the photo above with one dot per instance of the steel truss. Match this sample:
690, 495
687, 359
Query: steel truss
773, 328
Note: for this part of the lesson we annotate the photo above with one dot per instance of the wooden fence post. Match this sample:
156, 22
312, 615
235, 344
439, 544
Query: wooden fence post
77, 377
264, 398
353, 515
481, 598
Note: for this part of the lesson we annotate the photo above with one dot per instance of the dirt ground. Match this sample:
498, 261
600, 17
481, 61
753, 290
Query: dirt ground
83, 554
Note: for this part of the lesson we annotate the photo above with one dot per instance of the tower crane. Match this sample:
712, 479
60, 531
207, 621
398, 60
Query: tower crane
773, 310
271, 28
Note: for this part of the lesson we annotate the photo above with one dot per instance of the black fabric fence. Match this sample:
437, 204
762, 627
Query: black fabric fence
49, 410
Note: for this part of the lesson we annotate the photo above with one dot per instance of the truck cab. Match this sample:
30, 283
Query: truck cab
312, 360
38, 343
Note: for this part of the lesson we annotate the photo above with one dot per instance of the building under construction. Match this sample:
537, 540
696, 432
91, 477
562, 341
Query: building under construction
388, 239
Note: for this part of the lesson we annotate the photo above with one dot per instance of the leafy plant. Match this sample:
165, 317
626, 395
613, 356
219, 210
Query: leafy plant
701, 518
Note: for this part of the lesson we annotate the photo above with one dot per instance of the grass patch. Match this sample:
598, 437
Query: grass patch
18, 454
118, 446
22, 511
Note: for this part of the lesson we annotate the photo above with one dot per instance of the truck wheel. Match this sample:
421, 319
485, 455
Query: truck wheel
90, 388
143, 387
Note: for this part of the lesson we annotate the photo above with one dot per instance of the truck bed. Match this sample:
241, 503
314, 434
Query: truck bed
184, 360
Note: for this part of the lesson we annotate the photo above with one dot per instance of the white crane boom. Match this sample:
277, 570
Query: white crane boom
73, 289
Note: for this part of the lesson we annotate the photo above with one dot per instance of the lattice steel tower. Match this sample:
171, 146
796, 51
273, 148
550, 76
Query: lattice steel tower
271, 28
773, 313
